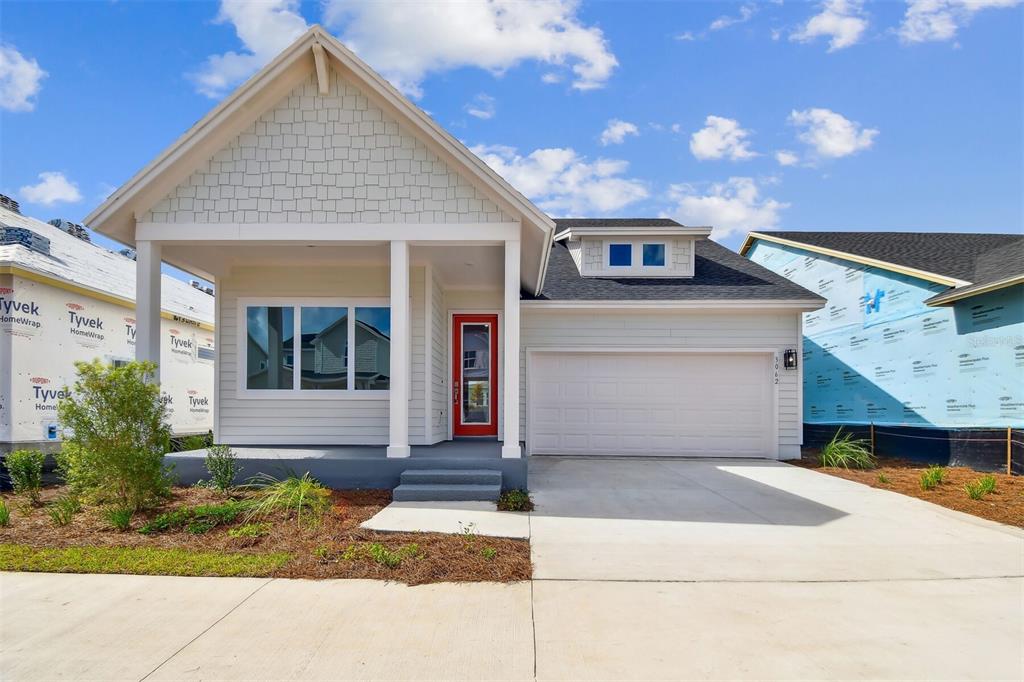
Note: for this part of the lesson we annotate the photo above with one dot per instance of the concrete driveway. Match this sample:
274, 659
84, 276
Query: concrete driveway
644, 569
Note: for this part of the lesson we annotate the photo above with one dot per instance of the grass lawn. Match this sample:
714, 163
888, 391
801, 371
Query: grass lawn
1005, 504
201, 532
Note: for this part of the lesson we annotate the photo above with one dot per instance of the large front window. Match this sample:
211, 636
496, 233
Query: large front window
318, 347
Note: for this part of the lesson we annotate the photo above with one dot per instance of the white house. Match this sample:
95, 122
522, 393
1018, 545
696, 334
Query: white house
320, 200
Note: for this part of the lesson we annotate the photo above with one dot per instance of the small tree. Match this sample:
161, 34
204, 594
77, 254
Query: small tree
116, 434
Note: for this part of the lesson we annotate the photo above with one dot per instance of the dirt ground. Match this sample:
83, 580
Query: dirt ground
316, 549
1005, 504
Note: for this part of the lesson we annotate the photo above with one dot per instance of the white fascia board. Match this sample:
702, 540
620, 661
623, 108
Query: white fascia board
953, 295
725, 305
633, 232
285, 233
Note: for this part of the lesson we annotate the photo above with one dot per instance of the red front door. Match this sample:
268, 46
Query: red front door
474, 375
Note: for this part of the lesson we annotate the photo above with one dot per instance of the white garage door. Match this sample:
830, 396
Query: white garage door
689, 404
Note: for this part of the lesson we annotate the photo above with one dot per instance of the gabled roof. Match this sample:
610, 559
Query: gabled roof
575, 227
720, 275
115, 217
971, 263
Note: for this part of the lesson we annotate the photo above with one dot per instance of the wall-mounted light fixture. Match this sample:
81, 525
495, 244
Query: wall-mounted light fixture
789, 359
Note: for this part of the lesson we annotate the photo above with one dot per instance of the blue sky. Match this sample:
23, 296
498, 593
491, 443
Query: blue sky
773, 115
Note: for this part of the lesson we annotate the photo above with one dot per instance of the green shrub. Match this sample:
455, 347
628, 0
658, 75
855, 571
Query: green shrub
25, 467
488, 553
63, 509
378, 553
293, 494
515, 500
196, 520
847, 453
250, 531
983, 486
5, 514
932, 477
116, 434
119, 518
196, 441
883, 479
222, 467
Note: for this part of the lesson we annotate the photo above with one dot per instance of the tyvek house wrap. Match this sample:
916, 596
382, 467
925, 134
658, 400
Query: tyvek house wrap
61, 307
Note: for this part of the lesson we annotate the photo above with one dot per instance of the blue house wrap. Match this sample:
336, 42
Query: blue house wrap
878, 353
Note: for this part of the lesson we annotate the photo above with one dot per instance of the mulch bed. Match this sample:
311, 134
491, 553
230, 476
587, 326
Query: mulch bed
1005, 504
316, 549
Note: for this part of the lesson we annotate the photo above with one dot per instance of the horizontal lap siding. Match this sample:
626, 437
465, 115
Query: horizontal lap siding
439, 386
678, 329
313, 421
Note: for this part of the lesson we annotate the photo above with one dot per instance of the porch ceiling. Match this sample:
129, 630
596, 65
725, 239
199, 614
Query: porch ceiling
463, 265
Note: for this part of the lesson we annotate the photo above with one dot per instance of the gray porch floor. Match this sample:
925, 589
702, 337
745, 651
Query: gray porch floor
453, 449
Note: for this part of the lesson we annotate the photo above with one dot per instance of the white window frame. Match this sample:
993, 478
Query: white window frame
296, 392
637, 269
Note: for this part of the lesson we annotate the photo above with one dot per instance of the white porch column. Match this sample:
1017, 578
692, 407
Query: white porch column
147, 302
398, 419
510, 446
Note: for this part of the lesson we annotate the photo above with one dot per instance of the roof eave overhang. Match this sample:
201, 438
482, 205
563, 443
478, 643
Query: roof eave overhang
632, 232
862, 260
796, 305
116, 216
955, 295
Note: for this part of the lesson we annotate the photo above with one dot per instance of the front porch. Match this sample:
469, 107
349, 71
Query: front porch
359, 466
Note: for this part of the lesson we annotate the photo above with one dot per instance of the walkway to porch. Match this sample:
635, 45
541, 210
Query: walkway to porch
357, 466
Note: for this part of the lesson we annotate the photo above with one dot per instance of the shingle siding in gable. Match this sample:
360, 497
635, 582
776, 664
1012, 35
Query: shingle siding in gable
333, 159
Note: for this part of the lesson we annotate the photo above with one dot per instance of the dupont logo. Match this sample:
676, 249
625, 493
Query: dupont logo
39, 380
129, 320
6, 290
74, 306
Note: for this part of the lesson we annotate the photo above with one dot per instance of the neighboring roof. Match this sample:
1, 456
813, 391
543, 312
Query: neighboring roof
719, 275
971, 263
116, 216
90, 267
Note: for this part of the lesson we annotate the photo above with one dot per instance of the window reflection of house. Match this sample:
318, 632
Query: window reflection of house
373, 357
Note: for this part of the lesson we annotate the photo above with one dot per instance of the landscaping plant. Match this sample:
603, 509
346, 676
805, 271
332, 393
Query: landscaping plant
116, 435
391, 558
932, 477
293, 494
488, 553
983, 486
847, 453
5, 514
515, 500
222, 467
119, 518
25, 467
63, 509
197, 520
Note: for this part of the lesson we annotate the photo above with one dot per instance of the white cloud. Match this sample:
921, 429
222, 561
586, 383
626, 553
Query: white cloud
408, 41
938, 20
617, 131
843, 21
482, 106
786, 157
51, 189
732, 206
20, 80
721, 138
265, 28
686, 36
551, 78
725, 21
563, 182
831, 135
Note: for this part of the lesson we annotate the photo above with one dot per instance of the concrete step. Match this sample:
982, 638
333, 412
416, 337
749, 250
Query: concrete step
452, 476
445, 492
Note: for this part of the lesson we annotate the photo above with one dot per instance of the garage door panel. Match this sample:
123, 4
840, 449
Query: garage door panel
652, 404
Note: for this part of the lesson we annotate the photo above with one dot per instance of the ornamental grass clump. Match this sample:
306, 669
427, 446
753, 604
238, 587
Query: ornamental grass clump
932, 477
983, 486
847, 453
299, 495
25, 467
115, 435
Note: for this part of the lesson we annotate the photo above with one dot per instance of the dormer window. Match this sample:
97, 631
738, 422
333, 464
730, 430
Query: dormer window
654, 255
620, 255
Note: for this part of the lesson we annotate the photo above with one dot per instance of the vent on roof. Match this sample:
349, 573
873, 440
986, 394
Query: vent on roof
24, 237
10, 204
196, 284
74, 229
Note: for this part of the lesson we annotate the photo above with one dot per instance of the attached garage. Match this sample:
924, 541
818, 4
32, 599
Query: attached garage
689, 403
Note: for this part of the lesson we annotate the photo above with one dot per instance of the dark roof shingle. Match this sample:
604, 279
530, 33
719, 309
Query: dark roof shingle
974, 258
719, 274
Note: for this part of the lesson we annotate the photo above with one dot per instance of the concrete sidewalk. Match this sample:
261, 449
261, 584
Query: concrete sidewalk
643, 570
